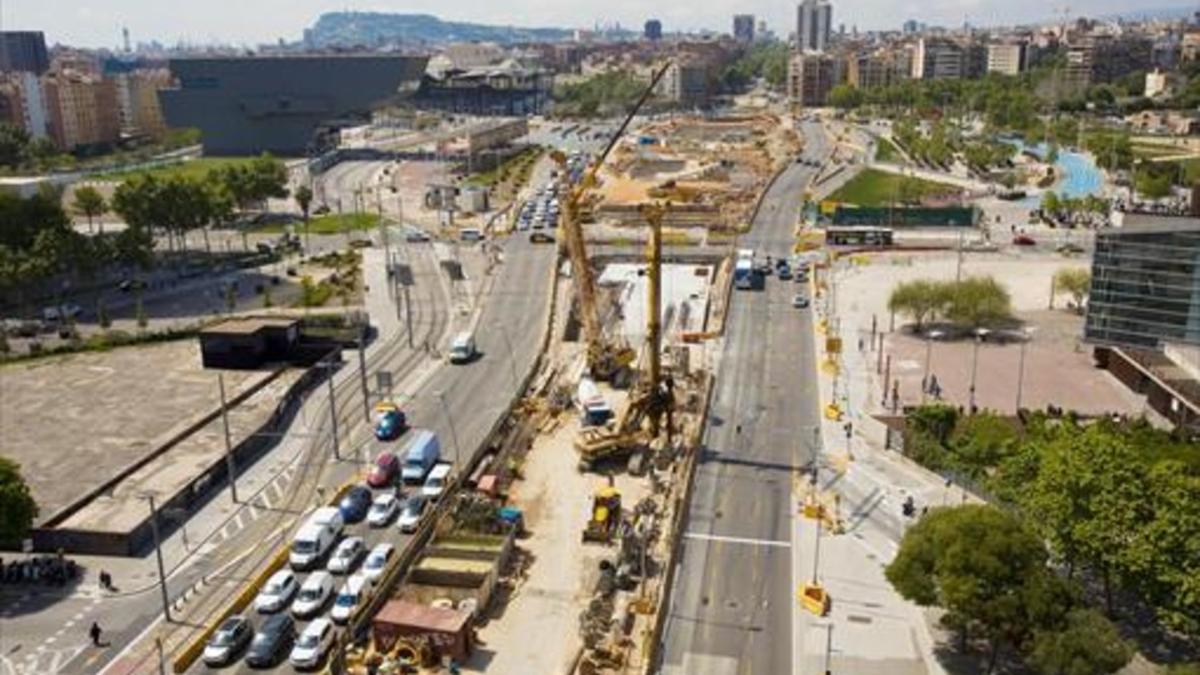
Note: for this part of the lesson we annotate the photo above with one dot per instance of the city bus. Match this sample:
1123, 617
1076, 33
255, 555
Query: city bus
858, 235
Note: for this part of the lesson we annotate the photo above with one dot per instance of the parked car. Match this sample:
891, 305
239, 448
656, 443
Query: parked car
355, 504
229, 640
411, 513
314, 595
349, 598
1067, 248
377, 561
435, 482
383, 473
273, 640
312, 645
541, 238
346, 556
800, 302
383, 509
277, 592
1023, 240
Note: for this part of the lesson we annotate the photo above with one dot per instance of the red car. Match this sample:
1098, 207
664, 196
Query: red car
387, 464
1023, 240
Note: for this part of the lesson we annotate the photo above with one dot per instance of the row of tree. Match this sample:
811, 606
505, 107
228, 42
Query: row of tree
990, 575
974, 302
1119, 500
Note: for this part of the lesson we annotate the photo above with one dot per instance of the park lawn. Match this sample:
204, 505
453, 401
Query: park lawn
880, 188
1153, 150
332, 223
886, 151
197, 167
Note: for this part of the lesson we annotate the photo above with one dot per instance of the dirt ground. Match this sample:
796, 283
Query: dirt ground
537, 631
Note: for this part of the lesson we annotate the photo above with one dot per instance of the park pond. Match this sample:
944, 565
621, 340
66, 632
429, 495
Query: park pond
1078, 175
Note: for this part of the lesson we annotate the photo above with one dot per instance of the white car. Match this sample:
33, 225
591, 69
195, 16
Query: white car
312, 645
277, 592
377, 561
414, 510
315, 592
383, 509
346, 556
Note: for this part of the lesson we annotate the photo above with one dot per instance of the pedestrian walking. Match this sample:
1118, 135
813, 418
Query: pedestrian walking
94, 631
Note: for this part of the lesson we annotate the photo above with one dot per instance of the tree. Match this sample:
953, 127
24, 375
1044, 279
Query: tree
845, 97
1075, 281
980, 565
1089, 644
90, 203
17, 507
1164, 557
920, 299
13, 143
978, 302
1050, 203
1151, 184
304, 197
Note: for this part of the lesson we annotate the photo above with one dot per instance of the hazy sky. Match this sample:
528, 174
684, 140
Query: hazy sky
93, 23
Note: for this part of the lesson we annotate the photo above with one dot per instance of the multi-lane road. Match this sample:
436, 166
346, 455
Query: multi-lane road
731, 609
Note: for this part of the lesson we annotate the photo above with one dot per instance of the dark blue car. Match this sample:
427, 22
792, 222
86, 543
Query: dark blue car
389, 422
355, 504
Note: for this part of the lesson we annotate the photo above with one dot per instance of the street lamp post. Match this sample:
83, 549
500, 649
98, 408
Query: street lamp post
980, 334
1026, 336
162, 576
449, 422
229, 461
929, 338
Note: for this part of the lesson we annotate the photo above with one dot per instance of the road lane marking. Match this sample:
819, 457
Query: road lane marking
738, 540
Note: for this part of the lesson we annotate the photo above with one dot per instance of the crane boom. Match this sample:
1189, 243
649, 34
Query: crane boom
600, 354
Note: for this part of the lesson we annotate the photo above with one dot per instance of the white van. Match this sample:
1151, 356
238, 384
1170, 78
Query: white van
348, 599
313, 595
328, 515
436, 482
462, 348
310, 543
470, 234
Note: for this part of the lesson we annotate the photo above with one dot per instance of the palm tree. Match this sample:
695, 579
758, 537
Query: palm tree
304, 197
89, 202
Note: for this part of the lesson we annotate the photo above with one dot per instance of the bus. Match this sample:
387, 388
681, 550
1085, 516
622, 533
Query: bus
858, 235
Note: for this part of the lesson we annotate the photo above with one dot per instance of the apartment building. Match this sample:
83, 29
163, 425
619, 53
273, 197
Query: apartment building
1095, 58
879, 69
83, 110
137, 97
811, 76
936, 58
1007, 58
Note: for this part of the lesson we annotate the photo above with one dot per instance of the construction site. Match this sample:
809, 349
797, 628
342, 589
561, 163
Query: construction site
556, 552
711, 171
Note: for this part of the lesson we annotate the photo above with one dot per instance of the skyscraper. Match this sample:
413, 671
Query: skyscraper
743, 27
653, 30
23, 52
813, 19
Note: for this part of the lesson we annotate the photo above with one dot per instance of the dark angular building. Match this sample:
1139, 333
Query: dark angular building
282, 105
1146, 284
652, 30
23, 51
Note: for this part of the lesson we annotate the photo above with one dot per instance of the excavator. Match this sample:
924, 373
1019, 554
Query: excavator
605, 357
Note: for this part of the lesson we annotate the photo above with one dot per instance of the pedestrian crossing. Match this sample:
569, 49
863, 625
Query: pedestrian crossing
42, 661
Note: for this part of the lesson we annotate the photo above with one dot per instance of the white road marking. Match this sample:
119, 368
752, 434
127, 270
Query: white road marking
738, 540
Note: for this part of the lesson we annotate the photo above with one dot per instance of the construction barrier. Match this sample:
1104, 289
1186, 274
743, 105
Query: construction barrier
814, 599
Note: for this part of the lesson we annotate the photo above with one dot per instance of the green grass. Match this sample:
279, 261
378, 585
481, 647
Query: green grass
880, 188
327, 224
192, 168
886, 151
1153, 150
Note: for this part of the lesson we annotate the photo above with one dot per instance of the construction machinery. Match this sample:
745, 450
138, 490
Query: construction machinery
605, 357
652, 400
606, 515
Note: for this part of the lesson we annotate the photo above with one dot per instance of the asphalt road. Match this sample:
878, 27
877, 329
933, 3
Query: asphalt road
731, 607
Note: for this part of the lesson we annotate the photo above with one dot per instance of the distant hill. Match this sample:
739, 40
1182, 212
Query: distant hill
351, 29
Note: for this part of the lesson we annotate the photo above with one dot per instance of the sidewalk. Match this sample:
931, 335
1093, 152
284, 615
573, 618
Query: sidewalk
871, 627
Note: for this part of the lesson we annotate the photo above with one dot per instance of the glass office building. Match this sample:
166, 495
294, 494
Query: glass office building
1146, 283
